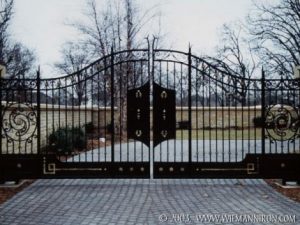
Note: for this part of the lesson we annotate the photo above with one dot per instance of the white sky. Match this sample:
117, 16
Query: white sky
40, 24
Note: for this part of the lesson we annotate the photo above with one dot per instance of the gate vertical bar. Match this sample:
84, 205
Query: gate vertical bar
151, 80
190, 102
1, 118
38, 100
263, 110
112, 79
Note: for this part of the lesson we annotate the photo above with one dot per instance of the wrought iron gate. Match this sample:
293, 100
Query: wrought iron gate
149, 111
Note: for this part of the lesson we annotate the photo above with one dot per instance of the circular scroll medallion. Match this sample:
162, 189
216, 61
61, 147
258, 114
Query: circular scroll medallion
19, 122
282, 122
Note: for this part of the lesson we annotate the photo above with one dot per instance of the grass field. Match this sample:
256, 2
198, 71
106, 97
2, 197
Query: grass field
227, 134
220, 134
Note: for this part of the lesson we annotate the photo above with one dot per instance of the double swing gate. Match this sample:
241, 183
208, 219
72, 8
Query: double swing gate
150, 112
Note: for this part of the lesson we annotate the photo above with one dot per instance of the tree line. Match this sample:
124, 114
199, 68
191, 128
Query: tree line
269, 37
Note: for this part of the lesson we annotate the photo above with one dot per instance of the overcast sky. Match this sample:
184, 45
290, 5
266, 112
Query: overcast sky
40, 24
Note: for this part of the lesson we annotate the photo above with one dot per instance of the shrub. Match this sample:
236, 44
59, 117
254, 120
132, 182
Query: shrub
89, 127
260, 123
67, 139
183, 125
109, 128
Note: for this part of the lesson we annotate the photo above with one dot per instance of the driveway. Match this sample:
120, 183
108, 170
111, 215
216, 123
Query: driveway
124, 201
177, 151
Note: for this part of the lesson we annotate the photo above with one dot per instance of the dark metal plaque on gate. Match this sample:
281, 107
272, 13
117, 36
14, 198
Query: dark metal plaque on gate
138, 114
164, 114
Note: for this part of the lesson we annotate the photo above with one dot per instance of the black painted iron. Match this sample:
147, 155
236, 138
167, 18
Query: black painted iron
98, 122
164, 114
138, 114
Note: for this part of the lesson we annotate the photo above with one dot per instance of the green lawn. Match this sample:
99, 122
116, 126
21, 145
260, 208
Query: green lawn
227, 134
219, 134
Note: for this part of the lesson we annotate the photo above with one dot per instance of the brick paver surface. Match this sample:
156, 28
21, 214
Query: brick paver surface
123, 201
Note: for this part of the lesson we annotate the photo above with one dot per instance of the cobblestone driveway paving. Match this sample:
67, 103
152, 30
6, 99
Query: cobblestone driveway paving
91, 202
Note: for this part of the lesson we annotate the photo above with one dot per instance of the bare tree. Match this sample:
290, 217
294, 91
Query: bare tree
120, 25
236, 58
275, 30
5, 17
75, 58
18, 59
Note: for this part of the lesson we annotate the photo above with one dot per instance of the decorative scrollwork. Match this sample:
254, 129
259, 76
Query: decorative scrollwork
19, 84
131, 55
282, 122
282, 84
180, 57
137, 55
30, 84
19, 122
